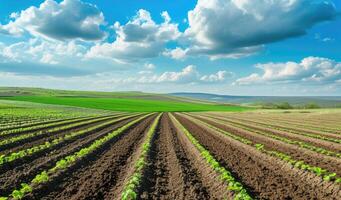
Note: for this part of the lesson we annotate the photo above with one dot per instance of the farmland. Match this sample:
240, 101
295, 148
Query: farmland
114, 101
76, 153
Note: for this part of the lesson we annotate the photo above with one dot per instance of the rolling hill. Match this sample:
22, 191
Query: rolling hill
118, 101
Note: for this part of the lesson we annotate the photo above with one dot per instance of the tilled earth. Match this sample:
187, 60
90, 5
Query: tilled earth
175, 168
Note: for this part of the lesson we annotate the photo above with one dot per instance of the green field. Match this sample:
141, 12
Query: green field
126, 104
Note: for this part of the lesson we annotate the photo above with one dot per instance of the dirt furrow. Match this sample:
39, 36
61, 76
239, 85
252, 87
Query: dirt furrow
171, 173
332, 164
11, 178
296, 130
267, 177
316, 142
40, 139
94, 176
52, 125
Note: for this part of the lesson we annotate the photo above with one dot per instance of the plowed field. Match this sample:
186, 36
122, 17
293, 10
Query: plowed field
173, 156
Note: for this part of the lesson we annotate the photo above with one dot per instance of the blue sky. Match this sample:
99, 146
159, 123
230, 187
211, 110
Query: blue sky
282, 47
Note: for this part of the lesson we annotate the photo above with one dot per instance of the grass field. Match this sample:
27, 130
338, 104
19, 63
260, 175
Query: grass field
129, 104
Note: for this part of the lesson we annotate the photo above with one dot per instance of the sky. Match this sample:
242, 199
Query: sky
234, 47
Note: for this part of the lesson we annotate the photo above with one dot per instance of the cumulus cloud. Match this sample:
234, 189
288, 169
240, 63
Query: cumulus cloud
310, 69
36, 50
41, 69
139, 38
69, 19
188, 75
177, 53
236, 28
149, 66
217, 77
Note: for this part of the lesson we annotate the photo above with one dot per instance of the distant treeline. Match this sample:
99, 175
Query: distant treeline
287, 105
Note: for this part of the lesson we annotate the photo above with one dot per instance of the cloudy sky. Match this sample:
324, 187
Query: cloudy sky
238, 47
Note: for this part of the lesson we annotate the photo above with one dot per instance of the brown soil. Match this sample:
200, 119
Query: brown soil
176, 170
267, 177
25, 170
316, 142
292, 129
40, 139
52, 125
332, 164
92, 177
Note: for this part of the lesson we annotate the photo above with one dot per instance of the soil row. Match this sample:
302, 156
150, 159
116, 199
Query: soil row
278, 124
25, 169
265, 176
313, 141
332, 164
48, 136
176, 169
93, 177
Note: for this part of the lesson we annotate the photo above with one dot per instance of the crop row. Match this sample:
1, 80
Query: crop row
304, 145
297, 122
303, 125
32, 122
67, 161
277, 127
226, 176
130, 188
41, 126
12, 121
52, 130
326, 176
48, 144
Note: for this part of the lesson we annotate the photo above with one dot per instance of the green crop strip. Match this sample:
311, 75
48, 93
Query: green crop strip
226, 176
67, 161
23, 123
56, 129
283, 139
48, 144
326, 176
129, 191
33, 128
129, 104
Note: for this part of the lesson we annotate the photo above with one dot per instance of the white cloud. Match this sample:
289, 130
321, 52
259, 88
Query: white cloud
217, 77
37, 50
140, 38
176, 53
70, 19
149, 66
188, 75
236, 28
310, 69
323, 39
48, 59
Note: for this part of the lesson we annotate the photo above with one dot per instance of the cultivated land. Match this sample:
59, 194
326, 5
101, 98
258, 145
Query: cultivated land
115, 101
61, 152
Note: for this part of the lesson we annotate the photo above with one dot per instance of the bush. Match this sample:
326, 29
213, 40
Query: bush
284, 105
311, 106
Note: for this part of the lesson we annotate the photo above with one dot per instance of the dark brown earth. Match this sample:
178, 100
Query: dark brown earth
332, 164
24, 170
47, 136
267, 177
93, 177
175, 168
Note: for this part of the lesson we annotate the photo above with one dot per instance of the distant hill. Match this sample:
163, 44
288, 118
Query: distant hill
323, 101
27, 91
118, 101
